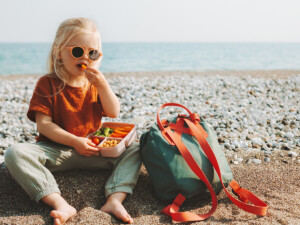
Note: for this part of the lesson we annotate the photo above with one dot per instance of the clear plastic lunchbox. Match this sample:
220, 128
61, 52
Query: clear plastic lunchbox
124, 142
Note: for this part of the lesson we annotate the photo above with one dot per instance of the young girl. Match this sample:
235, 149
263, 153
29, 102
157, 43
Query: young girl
67, 104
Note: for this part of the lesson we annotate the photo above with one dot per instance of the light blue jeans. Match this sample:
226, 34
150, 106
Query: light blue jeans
31, 166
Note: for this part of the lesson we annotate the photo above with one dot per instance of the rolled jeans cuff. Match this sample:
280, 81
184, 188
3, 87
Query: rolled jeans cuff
45, 192
125, 189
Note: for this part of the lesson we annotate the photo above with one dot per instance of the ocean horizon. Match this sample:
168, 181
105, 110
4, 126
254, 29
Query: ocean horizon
31, 58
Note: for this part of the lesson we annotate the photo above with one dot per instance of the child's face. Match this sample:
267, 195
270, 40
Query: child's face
87, 41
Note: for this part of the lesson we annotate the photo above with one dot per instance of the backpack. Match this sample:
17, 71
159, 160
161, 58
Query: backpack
184, 159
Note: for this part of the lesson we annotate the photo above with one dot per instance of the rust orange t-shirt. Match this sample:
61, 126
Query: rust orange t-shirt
74, 109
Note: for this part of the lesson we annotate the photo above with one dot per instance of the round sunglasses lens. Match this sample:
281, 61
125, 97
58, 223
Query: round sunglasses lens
94, 54
77, 52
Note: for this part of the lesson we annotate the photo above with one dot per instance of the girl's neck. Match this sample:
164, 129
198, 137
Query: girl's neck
78, 82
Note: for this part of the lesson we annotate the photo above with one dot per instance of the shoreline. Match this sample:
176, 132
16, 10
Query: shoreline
137, 74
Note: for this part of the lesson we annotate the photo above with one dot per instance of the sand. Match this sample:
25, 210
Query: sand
277, 183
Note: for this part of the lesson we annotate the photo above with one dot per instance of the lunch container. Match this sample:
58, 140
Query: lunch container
125, 142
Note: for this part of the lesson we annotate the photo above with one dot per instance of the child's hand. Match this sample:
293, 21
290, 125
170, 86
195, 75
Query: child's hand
85, 147
95, 77
109, 101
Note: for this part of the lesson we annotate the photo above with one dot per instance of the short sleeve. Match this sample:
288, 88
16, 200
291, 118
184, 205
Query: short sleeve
42, 99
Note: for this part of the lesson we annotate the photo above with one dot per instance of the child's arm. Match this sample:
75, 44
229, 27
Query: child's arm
109, 101
46, 127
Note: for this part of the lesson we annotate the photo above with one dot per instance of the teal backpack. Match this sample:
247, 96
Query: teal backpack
184, 159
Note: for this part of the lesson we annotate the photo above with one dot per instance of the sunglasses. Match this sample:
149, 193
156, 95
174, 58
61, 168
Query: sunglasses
77, 52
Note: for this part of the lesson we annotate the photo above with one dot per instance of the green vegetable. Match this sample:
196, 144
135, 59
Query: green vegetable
104, 132
97, 133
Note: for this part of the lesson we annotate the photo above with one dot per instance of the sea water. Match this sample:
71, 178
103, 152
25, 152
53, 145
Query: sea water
31, 58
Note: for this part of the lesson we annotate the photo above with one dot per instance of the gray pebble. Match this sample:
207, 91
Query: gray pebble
285, 146
256, 161
240, 160
236, 144
257, 141
244, 145
3, 145
227, 145
291, 153
267, 152
267, 159
289, 135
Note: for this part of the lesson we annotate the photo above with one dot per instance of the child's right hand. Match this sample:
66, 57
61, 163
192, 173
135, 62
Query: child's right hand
85, 147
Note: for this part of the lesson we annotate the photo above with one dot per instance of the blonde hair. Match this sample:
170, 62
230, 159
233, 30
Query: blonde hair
65, 32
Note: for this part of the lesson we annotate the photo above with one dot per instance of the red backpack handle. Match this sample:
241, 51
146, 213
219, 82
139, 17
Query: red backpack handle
168, 104
164, 130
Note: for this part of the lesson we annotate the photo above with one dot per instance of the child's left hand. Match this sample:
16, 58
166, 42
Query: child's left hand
95, 77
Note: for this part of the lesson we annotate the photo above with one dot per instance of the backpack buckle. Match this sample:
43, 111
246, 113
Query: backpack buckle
240, 194
183, 116
195, 117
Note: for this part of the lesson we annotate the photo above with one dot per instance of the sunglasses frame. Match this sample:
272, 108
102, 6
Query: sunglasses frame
84, 52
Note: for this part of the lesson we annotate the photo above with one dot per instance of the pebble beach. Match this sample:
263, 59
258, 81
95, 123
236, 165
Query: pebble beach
252, 114
256, 115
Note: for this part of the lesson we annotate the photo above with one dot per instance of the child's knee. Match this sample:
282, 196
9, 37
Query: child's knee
13, 153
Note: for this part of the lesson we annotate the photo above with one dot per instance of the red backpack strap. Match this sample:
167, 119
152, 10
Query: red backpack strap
173, 209
259, 207
174, 138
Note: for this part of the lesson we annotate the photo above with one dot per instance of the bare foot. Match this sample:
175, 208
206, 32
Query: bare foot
115, 207
62, 215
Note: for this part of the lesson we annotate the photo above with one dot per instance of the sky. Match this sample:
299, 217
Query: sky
156, 20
